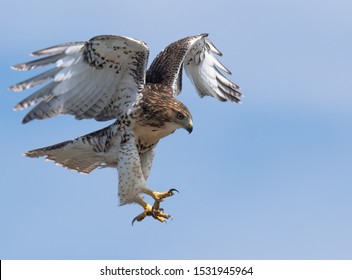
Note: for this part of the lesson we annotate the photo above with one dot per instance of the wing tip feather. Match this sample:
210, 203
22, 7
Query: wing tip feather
21, 106
20, 67
14, 88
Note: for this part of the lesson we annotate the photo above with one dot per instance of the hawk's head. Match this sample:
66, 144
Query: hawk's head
160, 108
179, 114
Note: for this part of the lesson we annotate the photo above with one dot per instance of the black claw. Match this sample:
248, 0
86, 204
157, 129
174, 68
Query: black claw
173, 190
135, 219
153, 215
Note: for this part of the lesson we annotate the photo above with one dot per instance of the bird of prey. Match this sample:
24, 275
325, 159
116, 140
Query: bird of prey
107, 78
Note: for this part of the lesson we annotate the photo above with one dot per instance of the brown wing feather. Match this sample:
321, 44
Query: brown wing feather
197, 55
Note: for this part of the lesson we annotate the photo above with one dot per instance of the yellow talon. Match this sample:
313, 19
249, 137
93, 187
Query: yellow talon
156, 213
161, 195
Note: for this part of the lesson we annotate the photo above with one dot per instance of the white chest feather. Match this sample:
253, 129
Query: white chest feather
150, 135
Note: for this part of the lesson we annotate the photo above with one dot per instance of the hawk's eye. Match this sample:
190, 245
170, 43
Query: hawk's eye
180, 116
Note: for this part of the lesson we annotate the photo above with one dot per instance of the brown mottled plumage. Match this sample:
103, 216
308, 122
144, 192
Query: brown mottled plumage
159, 105
106, 78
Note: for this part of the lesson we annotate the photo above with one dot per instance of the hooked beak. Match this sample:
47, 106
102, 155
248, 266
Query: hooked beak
189, 127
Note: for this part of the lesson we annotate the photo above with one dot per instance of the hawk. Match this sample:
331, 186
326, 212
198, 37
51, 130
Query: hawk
107, 78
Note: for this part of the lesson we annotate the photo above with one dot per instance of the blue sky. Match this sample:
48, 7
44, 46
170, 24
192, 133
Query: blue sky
267, 179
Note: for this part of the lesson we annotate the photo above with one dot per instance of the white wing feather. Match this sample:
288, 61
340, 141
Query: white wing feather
98, 79
204, 70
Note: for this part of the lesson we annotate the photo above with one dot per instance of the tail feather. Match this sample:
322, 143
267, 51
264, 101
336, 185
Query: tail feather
82, 154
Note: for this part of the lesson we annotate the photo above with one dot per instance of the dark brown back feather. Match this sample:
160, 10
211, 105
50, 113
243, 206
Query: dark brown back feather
166, 68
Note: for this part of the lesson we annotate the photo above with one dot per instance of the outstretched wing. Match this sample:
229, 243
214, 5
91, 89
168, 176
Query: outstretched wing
100, 78
196, 53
